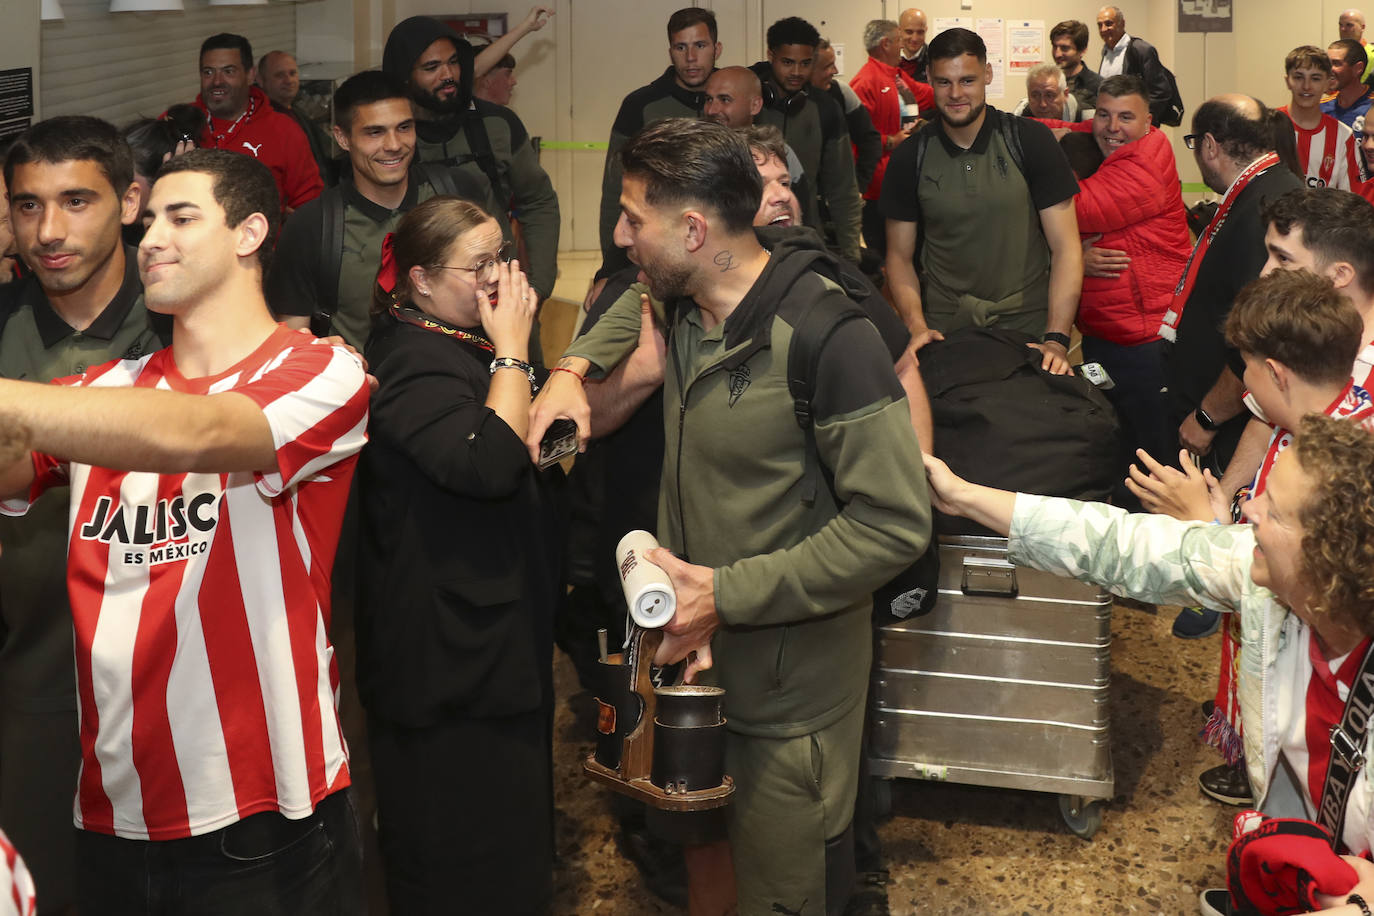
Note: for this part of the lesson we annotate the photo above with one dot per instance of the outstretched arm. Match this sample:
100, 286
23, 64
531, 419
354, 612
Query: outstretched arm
953, 495
491, 55
140, 429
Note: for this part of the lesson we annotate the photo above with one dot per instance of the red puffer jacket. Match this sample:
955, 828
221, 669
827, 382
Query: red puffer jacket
1135, 202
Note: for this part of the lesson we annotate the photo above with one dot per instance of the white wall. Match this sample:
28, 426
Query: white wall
19, 43
122, 66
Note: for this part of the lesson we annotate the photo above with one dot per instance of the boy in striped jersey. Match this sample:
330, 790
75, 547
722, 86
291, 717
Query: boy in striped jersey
208, 486
1326, 147
1330, 233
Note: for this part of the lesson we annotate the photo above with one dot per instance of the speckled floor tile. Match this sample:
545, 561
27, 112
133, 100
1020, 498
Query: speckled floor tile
969, 850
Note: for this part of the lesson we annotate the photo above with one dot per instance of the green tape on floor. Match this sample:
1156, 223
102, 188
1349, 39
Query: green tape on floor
559, 144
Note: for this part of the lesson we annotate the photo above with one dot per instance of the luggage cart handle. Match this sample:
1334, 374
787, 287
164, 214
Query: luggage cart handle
989, 576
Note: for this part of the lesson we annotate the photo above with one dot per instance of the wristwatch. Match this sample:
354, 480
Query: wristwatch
1056, 337
1204, 420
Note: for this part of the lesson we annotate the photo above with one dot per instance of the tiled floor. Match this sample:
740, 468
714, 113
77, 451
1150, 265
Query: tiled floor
964, 850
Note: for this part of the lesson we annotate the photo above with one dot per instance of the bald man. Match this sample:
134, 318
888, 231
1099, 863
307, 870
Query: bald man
1235, 156
280, 79
914, 61
1351, 24
1124, 53
733, 96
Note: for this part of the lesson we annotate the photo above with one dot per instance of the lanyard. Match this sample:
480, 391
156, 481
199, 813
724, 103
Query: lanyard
418, 318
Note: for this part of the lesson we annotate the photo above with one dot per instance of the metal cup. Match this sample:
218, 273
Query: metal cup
688, 759
688, 705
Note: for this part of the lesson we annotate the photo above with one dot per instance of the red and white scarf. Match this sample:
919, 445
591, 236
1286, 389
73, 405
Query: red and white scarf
1169, 328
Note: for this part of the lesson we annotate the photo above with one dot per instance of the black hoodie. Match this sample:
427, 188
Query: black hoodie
817, 132
663, 98
522, 185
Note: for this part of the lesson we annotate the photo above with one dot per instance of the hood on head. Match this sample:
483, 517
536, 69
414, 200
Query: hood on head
408, 41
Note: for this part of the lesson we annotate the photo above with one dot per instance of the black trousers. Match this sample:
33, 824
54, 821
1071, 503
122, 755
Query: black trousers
465, 814
264, 865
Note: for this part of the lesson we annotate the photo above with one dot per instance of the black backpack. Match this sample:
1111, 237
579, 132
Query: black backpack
913, 591
438, 177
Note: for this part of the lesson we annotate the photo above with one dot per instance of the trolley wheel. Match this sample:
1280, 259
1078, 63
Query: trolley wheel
1083, 817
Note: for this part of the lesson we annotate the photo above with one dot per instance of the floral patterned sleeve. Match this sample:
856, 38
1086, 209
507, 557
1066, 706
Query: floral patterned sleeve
1150, 558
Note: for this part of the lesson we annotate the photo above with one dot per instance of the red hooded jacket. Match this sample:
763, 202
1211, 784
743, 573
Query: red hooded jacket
275, 140
1134, 200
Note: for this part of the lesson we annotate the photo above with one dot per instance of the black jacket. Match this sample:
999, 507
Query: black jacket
1142, 60
458, 571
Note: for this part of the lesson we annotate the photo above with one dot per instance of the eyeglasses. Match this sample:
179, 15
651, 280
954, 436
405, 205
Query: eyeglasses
487, 266
1190, 140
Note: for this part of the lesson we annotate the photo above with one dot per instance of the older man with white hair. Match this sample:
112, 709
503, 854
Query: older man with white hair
895, 103
1048, 97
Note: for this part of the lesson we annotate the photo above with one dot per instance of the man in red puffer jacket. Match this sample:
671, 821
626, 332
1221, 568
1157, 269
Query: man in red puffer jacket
1136, 245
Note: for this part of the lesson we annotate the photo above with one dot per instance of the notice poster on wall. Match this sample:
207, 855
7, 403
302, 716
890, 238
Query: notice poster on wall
16, 101
1204, 15
1025, 48
993, 33
950, 22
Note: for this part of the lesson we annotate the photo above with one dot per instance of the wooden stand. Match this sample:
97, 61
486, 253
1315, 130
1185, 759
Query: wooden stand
632, 777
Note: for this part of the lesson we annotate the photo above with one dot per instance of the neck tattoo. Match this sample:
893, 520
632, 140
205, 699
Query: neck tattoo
725, 261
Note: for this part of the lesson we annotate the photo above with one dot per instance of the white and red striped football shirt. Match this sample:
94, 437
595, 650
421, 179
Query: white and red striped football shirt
1329, 155
1363, 372
16, 884
1353, 403
206, 681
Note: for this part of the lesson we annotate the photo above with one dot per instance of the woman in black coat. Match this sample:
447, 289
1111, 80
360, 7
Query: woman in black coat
458, 575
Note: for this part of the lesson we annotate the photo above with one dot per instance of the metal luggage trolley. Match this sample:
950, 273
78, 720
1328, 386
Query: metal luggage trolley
1005, 683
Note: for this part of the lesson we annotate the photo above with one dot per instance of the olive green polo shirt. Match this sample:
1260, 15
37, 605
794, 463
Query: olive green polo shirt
983, 254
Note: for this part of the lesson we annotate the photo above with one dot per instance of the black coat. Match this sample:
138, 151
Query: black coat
1142, 60
458, 570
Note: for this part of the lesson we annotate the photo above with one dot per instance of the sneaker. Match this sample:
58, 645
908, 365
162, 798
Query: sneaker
1196, 623
1214, 901
1208, 706
870, 895
1227, 784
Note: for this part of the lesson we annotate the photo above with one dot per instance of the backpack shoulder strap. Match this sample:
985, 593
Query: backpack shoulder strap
331, 261
439, 177
1011, 136
814, 326
475, 129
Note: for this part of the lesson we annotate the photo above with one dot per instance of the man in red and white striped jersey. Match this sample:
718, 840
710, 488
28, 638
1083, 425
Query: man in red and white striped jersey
1330, 233
1327, 149
208, 486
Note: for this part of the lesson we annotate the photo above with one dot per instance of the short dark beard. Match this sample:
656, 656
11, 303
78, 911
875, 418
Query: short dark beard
668, 282
432, 103
972, 116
